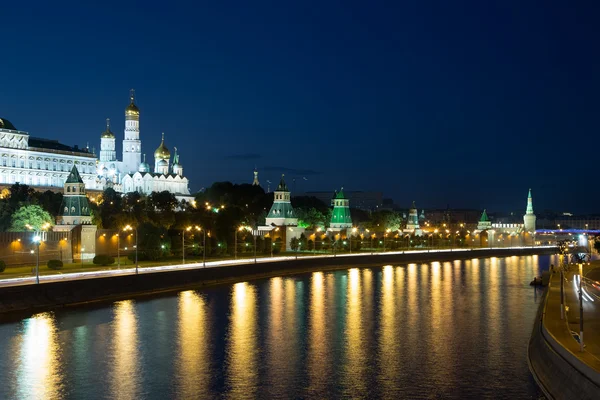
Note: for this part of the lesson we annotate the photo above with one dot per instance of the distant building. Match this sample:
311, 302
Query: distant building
412, 222
529, 217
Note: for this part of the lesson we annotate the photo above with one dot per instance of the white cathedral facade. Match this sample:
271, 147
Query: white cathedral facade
134, 174
45, 164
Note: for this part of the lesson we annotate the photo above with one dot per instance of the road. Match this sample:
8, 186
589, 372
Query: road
215, 264
591, 307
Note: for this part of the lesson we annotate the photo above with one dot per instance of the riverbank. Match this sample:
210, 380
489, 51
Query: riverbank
110, 288
561, 370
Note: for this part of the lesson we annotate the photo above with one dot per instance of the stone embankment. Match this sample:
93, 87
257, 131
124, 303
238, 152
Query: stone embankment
559, 368
29, 298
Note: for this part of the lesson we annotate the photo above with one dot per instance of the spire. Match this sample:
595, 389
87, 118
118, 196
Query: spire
175, 157
107, 124
255, 182
74, 176
132, 95
484, 217
144, 157
282, 186
529, 204
414, 205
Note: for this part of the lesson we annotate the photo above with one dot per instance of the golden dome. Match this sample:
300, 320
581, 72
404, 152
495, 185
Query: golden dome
162, 153
132, 109
107, 134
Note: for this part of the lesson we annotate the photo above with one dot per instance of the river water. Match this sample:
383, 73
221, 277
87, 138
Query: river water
439, 330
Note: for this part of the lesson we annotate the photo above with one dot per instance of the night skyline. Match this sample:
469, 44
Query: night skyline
467, 107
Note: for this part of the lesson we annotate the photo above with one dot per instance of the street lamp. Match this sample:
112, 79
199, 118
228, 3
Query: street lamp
384, 236
129, 228
37, 239
118, 250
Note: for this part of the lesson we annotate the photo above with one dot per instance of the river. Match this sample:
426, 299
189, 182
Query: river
454, 329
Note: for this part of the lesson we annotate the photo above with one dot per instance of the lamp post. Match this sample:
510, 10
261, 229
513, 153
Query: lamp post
37, 239
203, 247
118, 251
129, 228
82, 250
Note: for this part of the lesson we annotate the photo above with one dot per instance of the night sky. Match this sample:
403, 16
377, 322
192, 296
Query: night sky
466, 104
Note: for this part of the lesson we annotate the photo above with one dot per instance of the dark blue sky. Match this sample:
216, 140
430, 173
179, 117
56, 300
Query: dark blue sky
460, 103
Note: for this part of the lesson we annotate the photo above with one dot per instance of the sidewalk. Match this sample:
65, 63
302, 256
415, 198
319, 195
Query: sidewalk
588, 361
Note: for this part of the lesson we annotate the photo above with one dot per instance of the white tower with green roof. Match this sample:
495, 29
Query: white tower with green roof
282, 213
529, 217
340, 218
484, 222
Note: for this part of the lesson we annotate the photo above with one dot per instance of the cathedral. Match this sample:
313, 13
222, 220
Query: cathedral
46, 164
133, 173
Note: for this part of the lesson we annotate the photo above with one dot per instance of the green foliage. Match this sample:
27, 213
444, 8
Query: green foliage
55, 264
33, 215
103, 259
311, 218
294, 244
2, 266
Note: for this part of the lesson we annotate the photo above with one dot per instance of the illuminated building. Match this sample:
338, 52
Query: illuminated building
340, 217
132, 174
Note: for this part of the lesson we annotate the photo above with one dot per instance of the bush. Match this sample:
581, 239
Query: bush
102, 259
2, 265
55, 264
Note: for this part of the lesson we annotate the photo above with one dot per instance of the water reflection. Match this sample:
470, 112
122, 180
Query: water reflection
441, 330
318, 360
193, 367
355, 366
125, 377
39, 374
389, 362
242, 344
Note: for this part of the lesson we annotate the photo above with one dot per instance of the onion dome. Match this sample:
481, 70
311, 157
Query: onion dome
144, 167
162, 153
5, 124
131, 109
107, 134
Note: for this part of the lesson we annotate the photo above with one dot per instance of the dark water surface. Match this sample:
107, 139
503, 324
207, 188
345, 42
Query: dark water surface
439, 330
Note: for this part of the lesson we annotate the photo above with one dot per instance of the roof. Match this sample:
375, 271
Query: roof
74, 176
282, 187
484, 217
107, 133
6, 124
54, 145
340, 195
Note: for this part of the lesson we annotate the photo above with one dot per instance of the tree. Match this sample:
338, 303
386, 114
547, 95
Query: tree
310, 218
294, 243
32, 216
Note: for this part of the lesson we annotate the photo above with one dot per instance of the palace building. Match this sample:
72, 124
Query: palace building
45, 164
41, 163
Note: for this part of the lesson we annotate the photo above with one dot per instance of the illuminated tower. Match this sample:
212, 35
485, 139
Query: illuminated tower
107, 144
340, 217
529, 217
255, 182
282, 212
132, 145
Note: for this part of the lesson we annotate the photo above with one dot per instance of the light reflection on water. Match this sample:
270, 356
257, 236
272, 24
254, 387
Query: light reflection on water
450, 330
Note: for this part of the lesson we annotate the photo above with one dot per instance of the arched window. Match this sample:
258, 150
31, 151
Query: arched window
68, 190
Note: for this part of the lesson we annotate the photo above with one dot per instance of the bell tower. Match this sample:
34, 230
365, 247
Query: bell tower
132, 145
